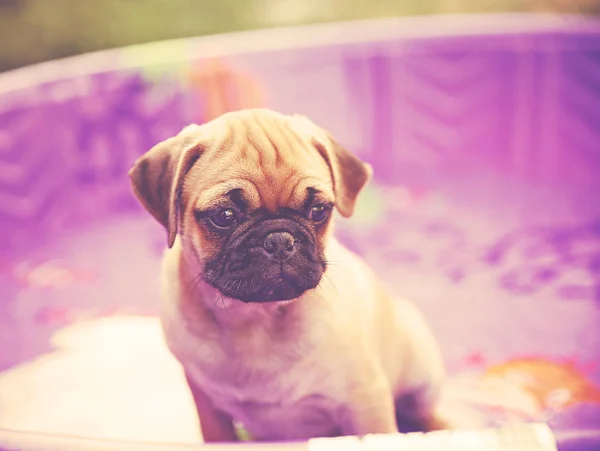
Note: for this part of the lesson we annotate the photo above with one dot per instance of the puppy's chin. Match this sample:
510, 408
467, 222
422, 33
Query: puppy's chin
275, 284
278, 292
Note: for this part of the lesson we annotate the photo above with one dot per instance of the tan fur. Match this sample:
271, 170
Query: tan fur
333, 361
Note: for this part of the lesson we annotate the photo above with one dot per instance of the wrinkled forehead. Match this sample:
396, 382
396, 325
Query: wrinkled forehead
266, 161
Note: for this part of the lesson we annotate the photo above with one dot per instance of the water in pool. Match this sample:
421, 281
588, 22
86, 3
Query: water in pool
483, 211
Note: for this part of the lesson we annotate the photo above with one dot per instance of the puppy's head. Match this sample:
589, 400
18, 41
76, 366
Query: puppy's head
251, 195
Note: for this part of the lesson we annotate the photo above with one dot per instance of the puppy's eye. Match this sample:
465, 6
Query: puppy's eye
319, 213
224, 217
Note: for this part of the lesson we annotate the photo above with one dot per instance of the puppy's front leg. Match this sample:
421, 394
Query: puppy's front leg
216, 426
370, 412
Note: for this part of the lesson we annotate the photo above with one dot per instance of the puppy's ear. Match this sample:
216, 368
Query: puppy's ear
157, 177
349, 173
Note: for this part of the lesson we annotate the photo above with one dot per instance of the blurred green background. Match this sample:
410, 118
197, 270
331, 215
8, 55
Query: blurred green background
32, 31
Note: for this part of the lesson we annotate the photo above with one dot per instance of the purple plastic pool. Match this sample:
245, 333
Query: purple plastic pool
484, 134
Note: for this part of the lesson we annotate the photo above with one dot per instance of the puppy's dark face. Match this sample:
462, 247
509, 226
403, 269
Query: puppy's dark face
264, 255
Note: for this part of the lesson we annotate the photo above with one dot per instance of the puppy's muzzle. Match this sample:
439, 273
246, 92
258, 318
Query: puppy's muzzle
279, 246
269, 259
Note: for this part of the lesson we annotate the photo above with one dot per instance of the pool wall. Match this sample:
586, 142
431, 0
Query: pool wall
427, 101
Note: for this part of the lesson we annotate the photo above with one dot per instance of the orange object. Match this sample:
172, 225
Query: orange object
223, 88
552, 384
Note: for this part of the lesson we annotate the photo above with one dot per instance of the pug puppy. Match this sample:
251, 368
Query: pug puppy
277, 325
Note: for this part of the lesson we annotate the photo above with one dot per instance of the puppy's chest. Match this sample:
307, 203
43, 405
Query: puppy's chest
243, 363
279, 389
275, 401
258, 351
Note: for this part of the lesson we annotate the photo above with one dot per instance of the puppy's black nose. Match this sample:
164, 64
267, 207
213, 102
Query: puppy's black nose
279, 245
